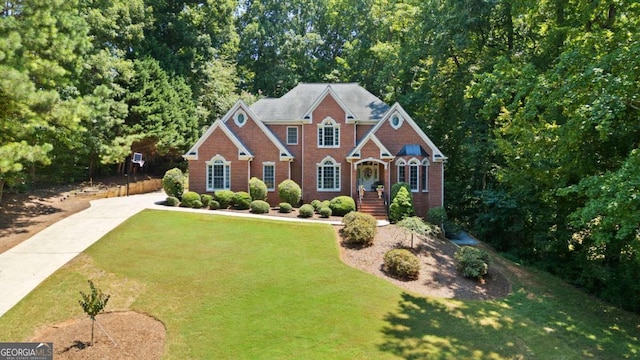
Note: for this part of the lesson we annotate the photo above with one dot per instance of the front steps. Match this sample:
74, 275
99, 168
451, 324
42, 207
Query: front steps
373, 206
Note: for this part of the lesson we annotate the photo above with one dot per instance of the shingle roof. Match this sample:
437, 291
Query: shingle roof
294, 104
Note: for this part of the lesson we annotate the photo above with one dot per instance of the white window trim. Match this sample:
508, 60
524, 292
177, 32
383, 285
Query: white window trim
401, 163
414, 165
272, 164
337, 173
218, 160
400, 120
292, 143
425, 175
237, 121
326, 123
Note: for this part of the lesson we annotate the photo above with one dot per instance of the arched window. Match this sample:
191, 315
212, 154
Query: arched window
401, 165
218, 174
328, 133
328, 175
414, 174
425, 175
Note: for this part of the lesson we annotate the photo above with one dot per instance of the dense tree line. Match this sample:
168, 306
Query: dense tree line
535, 103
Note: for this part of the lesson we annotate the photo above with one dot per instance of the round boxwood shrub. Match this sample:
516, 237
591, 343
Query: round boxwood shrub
173, 182
306, 211
257, 189
317, 204
191, 199
224, 198
359, 228
172, 201
342, 205
241, 200
290, 192
260, 207
472, 262
437, 215
402, 263
206, 200
325, 212
214, 205
325, 203
285, 208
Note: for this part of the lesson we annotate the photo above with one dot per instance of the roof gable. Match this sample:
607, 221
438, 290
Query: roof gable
243, 152
240, 105
356, 153
437, 155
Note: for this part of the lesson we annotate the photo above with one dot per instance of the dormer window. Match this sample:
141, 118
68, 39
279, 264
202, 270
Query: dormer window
240, 118
328, 134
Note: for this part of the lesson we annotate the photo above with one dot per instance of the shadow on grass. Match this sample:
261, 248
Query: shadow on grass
423, 328
520, 327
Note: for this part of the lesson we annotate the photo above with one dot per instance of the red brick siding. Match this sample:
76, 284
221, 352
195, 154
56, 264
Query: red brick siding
217, 143
314, 154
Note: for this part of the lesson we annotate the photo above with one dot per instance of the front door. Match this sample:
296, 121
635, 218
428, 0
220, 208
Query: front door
368, 175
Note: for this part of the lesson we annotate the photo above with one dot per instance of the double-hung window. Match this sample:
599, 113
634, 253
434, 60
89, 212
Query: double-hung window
292, 135
402, 170
414, 169
328, 175
218, 174
328, 134
269, 175
425, 175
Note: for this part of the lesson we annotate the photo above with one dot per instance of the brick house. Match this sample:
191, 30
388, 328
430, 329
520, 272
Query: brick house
329, 138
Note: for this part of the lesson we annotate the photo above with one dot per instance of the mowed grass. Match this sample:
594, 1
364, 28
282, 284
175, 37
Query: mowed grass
235, 288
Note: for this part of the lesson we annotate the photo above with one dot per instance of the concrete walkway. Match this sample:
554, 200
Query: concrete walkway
26, 265
29, 263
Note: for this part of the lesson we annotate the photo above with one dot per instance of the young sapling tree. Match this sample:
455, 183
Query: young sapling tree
93, 304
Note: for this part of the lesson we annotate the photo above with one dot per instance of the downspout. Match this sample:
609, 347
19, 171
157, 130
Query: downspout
249, 173
442, 186
302, 162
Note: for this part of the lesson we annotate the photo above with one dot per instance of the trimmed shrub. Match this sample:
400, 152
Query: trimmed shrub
437, 215
285, 208
342, 205
257, 189
259, 207
290, 192
358, 216
402, 263
173, 182
172, 201
401, 206
224, 197
325, 203
325, 212
317, 204
214, 205
396, 187
191, 199
472, 262
359, 228
306, 211
206, 200
241, 200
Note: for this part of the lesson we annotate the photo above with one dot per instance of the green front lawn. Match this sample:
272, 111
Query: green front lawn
235, 288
